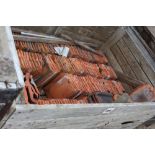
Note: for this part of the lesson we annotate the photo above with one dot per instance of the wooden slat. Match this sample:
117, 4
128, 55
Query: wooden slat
140, 75
58, 30
122, 61
81, 38
114, 38
82, 45
112, 60
37, 39
6, 112
20, 31
114, 63
98, 33
127, 79
137, 39
41, 29
141, 59
146, 36
113, 115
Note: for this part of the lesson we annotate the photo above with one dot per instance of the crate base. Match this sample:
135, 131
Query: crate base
93, 116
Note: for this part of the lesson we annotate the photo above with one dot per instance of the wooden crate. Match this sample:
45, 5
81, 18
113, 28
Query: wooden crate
128, 53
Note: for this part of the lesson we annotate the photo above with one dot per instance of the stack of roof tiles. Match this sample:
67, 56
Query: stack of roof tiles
85, 71
60, 101
68, 85
34, 62
75, 51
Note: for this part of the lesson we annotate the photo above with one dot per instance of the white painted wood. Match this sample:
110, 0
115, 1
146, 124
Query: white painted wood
13, 53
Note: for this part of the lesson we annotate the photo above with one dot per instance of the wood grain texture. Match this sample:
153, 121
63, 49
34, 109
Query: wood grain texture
79, 37
101, 33
148, 38
81, 116
41, 29
128, 80
93, 34
114, 63
130, 58
122, 61
38, 39
140, 59
115, 37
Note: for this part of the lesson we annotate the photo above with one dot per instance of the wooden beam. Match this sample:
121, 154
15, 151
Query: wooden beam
114, 115
139, 44
18, 30
37, 39
81, 38
33, 34
58, 30
114, 38
128, 80
122, 61
6, 112
81, 45
114, 63
140, 57
132, 62
89, 44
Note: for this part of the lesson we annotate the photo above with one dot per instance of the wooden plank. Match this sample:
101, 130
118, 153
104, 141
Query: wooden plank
7, 111
139, 44
112, 60
127, 79
40, 29
140, 59
80, 42
149, 124
106, 32
82, 45
115, 115
98, 33
101, 33
36, 34
124, 65
31, 33
89, 44
9, 62
147, 38
115, 38
43, 40
8, 99
122, 61
140, 75
58, 30
114, 63
81, 38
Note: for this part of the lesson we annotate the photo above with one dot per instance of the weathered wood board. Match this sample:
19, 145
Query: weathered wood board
131, 55
92, 116
141, 59
131, 59
11, 77
99, 33
9, 63
114, 63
